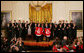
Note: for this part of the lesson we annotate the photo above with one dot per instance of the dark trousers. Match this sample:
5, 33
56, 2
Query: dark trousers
38, 38
47, 39
34, 37
55, 34
23, 35
42, 38
51, 37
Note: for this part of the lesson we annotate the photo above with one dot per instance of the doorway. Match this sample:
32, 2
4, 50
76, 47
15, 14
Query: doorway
5, 18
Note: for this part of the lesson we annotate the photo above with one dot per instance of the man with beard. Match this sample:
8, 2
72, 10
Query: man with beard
64, 41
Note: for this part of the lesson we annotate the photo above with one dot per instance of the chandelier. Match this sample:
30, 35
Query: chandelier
38, 4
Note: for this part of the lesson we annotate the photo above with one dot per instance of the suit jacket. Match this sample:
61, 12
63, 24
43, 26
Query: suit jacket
66, 24
10, 24
71, 24
23, 25
19, 24
15, 24
62, 25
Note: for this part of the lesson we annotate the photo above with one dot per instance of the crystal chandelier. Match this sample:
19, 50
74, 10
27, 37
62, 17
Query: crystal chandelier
38, 4
38, 8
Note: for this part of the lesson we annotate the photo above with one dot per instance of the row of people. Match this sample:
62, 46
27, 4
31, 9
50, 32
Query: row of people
67, 45
56, 30
14, 45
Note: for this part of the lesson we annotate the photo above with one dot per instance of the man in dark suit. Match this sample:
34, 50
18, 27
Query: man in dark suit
74, 31
59, 23
27, 24
55, 31
23, 30
51, 29
62, 23
10, 24
19, 22
13, 30
26, 31
71, 23
64, 30
66, 23
9, 32
69, 32
15, 23
23, 24
46, 25
17, 31
60, 31
20, 30
32, 28
20, 27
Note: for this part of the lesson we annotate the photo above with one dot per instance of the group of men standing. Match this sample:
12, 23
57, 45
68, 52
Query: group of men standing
41, 31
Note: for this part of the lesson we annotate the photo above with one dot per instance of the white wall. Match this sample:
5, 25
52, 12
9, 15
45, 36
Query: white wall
6, 5
20, 9
60, 9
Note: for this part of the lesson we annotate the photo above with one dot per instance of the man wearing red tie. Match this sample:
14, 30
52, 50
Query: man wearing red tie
47, 34
38, 32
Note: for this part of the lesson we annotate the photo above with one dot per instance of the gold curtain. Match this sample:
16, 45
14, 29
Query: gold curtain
42, 16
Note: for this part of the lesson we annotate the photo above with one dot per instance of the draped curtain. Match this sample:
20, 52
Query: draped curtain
42, 16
